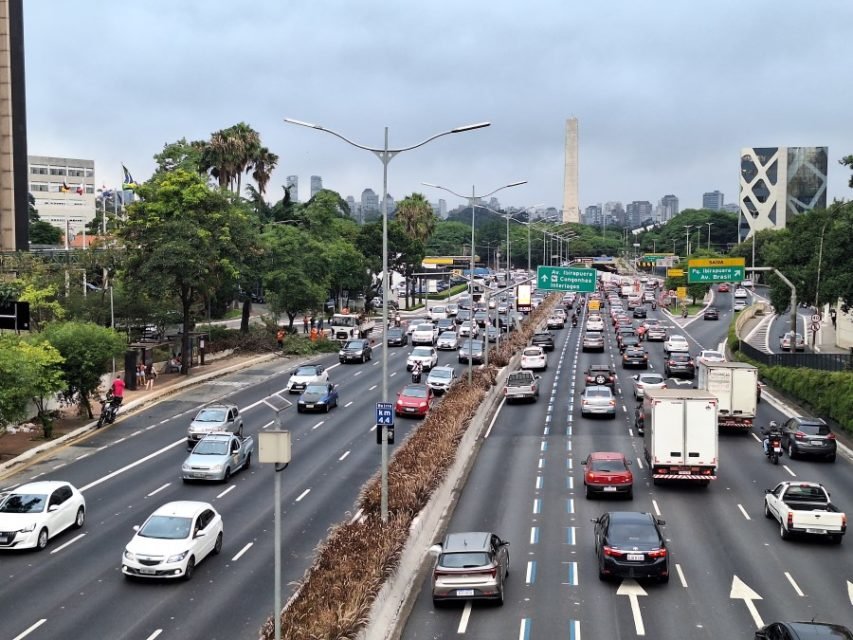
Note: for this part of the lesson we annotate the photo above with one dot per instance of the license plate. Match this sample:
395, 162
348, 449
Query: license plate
818, 531
635, 557
410, 409
684, 473
198, 475
464, 593
147, 572
610, 488
309, 406
5, 540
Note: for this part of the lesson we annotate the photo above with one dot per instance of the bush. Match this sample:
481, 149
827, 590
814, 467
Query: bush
261, 339
827, 393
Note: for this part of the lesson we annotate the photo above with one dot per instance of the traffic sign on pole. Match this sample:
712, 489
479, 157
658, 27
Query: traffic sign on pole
815, 318
708, 270
566, 279
385, 414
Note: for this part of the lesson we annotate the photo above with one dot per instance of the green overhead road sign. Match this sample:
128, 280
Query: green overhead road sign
566, 279
715, 270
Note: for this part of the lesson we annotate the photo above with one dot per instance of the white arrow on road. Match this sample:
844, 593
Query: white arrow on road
633, 590
740, 591
850, 591
680, 382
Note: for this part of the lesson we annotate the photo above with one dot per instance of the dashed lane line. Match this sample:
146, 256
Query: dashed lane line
302, 495
157, 490
466, 615
794, 584
30, 629
743, 511
68, 544
680, 575
154, 635
227, 491
242, 551
344, 456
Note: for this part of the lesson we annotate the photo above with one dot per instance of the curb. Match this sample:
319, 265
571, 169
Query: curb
129, 408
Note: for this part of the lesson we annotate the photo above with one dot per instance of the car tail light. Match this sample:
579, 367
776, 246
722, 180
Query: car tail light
800, 435
613, 553
790, 519
657, 553
844, 520
830, 436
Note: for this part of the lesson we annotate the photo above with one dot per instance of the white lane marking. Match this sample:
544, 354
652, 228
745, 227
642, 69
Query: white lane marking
639, 463
373, 428
317, 425
357, 373
119, 440
356, 516
303, 494
167, 420
531, 564
344, 456
334, 366
349, 403
154, 635
158, 490
497, 413
524, 629
135, 433
743, 511
225, 493
242, 551
794, 584
85, 455
657, 508
59, 466
534, 535
757, 439
786, 468
681, 575
70, 542
268, 424
392, 374
373, 387
538, 482
30, 629
466, 614
537, 505
117, 472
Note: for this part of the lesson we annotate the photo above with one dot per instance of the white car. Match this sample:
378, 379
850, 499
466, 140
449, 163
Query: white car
305, 375
740, 305
741, 294
427, 356
534, 358
643, 381
437, 313
413, 323
676, 343
451, 309
469, 329
447, 340
33, 513
595, 323
746, 283
709, 355
441, 379
173, 540
424, 334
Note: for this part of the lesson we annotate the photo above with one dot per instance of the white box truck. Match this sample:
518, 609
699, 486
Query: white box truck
680, 438
735, 384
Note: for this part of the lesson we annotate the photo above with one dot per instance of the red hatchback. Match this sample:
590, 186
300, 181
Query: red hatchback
723, 287
607, 472
413, 400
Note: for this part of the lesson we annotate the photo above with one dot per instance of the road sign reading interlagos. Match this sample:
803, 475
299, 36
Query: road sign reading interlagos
715, 270
566, 279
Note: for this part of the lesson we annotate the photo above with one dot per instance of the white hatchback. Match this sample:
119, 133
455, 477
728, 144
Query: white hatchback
709, 355
676, 343
427, 356
534, 358
35, 512
595, 323
173, 540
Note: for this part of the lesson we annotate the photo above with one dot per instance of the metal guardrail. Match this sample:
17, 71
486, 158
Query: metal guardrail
820, 361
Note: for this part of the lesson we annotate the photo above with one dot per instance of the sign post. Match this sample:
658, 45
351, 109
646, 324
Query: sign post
384, 422
709, 270
579, 279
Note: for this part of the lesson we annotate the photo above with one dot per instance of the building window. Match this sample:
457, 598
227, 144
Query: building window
38, 186
90, 188
75, 172
38, 171
57, 171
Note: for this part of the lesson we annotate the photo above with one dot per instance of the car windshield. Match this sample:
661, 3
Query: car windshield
316, 389
627, 534
422, 352
352, 344
395, 332
415, 392
598, 392
814, 429
166, 527
424, 327
712, 354
677, 339
441, 373
211, 415
438, 309
24, 503
464, 560
211, 448
611, 464
311, 371
533, 352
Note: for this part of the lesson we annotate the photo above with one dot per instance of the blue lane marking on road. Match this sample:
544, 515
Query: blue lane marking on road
543, 446
570, 505
574, 630
570, 535
534, 535
524, 631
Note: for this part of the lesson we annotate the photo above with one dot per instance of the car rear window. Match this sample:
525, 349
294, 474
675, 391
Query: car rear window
679, 357
814, 429
415, 392
532, 352
603, 392
464, 560
652, 379
632, 534
609, 465
593, 335
805, 493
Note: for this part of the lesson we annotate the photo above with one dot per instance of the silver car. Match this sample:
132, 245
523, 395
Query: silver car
214, 417
441, 379
447, 340
599, 401
470, 566
644, 381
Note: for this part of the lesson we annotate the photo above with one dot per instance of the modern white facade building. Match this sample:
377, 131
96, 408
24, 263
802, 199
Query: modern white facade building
316, 185
64, 191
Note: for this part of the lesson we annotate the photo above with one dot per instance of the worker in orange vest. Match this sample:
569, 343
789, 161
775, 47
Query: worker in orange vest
314, 334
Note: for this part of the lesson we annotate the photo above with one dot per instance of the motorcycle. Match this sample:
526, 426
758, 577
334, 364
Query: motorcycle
416, 377
774, 448
654, 306
574, 322
684, 313
109, 410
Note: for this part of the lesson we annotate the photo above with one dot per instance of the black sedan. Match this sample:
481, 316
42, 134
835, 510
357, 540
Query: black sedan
679, 364
711, 313
639, 312
630, 545
804, 631
396, 337
635, 357
358, 350
544, 339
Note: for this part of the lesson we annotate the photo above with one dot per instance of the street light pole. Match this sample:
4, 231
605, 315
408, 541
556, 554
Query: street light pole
385, 155
687, 228
709, 234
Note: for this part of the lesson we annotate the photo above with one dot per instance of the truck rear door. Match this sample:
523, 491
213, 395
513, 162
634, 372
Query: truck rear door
668, 432
700, 424
744, 392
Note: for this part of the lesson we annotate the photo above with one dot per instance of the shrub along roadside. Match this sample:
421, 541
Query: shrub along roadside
351, 565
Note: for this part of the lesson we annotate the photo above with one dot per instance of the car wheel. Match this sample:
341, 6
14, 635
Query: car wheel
299, 409
629, 495
218, 546
438, 604
500, 601
601, 575
835, 539
227, 475
80, 518
188, 572
41, 542
326, 408
248, 462
783, 532
767, 513
791, 451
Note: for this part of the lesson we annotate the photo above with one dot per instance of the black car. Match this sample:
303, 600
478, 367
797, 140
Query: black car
803, 631
628, 340
630, 545
711, 313
396, 337
601, 374
544, 339
639, 312
463, 315
621, 332
679, 364
635, 357
445, 324
358, 350
807, 436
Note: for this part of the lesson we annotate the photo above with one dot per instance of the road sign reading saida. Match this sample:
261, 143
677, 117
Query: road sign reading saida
715, 270
566, 279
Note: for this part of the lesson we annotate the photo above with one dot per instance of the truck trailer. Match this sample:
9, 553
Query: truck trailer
735, 384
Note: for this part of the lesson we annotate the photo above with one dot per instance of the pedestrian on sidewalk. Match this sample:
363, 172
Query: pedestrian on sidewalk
305, 323
140, 375
313, 323
832, 314
279, 338
320, 325
150, 375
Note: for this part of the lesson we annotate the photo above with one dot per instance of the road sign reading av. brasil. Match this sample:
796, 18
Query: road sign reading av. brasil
384, 413
566, 279
715, 270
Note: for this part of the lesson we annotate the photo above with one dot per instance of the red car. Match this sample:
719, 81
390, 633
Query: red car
607, 472
413, 400
723, 288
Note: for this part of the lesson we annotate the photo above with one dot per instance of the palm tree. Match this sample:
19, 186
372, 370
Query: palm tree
262, 165
416, 216
230, 153
246, 143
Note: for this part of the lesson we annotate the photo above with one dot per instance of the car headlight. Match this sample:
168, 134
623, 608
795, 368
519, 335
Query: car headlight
422, 405
341, 352
177, 557
29, 528
185, 467
216, 467
128, 555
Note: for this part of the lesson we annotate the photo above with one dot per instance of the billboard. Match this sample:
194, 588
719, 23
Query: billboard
522, 297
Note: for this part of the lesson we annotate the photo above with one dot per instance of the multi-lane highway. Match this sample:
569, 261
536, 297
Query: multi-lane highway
75, 589
730, 569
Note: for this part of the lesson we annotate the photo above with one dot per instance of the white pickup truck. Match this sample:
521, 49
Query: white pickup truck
804, 508
521, 385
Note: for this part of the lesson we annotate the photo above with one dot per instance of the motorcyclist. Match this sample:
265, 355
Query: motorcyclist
772, 431
654, 305
417, 370
684, 312
574, 319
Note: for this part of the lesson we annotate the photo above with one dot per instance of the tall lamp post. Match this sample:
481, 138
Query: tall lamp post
472, 201
385, 155
687, 228
709, 234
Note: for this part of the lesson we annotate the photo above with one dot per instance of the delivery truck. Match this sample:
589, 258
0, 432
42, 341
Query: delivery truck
680, 436
735, 384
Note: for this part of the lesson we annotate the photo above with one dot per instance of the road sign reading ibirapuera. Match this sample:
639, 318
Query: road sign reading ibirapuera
566, 279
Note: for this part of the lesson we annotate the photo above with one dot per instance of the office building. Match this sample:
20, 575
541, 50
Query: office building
669, 208
614, 213
316, 185
442, 208
731, 207
391, 205
369, 205
712, 200
14, 203
64, 191
638, 213
292, 183
777, 183
571, 208
592, 214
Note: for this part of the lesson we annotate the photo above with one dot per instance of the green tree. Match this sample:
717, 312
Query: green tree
44, 306
183, 238
262, 163
448, 238
347, 269
41, 232
847, 161
180, 155
415, 215
87, 351
28, 373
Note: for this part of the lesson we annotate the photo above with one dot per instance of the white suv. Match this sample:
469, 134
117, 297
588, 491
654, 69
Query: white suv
437, 313
424, 334
595, 323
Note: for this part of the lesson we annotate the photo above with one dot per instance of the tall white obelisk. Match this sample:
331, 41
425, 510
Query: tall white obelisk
571, 208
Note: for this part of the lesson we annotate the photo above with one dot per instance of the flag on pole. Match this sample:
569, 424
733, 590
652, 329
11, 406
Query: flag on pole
80, 189
64, 188
128, 182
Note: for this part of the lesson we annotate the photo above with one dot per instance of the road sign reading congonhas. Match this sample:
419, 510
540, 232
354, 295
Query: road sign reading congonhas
566, 279
715, 270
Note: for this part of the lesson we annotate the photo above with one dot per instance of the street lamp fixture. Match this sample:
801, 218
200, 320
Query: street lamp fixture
385, 155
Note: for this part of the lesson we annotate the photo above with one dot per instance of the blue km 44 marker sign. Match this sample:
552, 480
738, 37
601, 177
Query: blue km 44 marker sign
385, 414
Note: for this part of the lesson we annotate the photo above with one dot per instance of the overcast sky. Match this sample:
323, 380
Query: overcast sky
667, 92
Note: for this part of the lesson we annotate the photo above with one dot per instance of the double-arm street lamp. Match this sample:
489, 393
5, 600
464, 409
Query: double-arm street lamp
385, 155
472, 201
